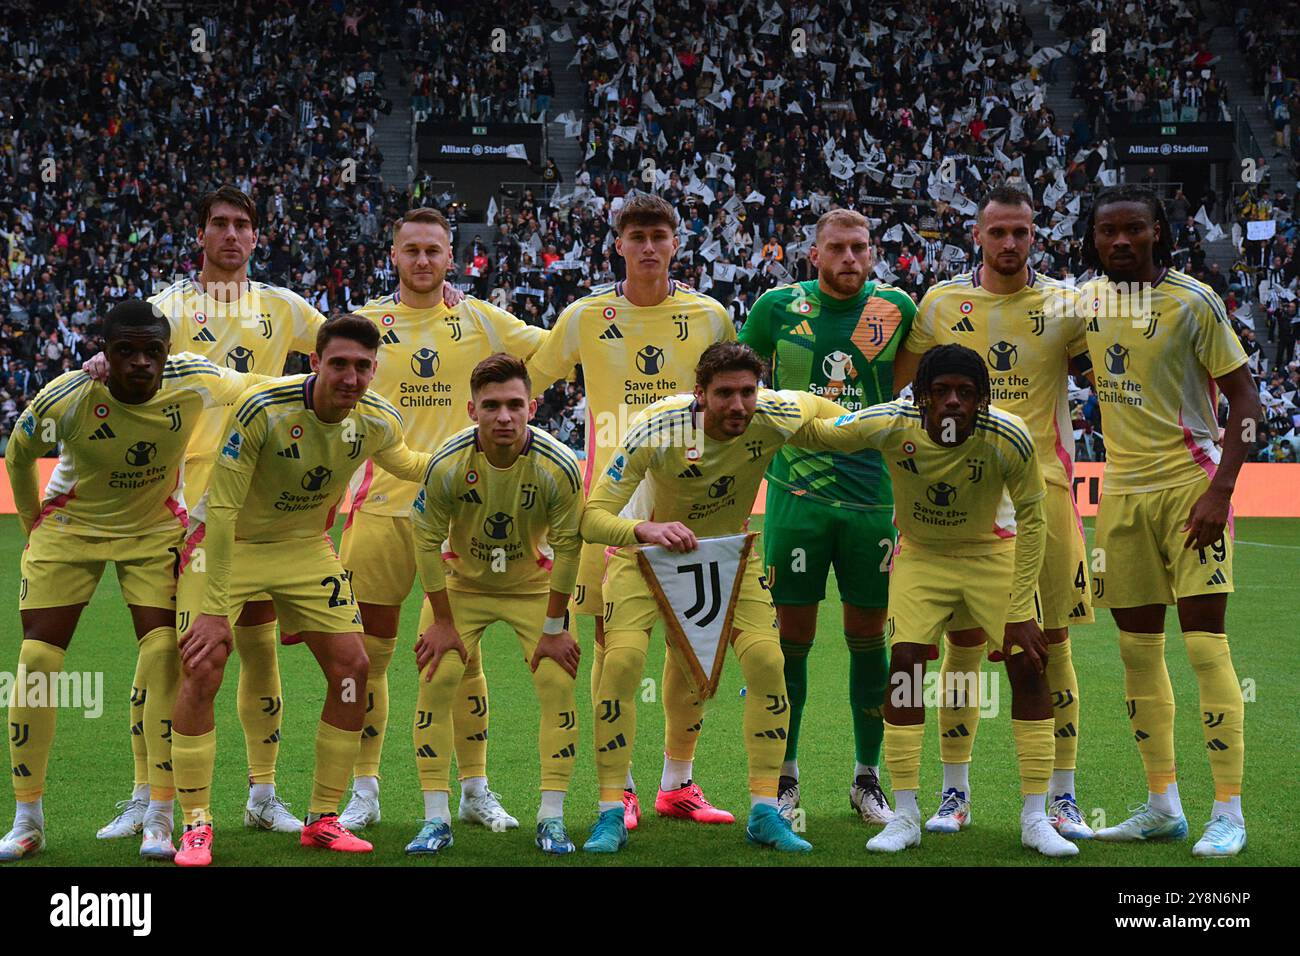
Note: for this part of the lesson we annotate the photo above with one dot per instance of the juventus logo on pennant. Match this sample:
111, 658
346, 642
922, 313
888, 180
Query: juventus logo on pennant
696, 593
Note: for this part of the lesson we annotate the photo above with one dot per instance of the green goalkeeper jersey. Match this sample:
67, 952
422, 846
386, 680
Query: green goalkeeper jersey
842, 349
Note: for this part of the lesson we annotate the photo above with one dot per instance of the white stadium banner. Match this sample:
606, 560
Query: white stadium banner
696, 593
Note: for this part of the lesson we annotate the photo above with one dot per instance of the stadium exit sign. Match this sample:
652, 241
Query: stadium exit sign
482, 130
1169, 131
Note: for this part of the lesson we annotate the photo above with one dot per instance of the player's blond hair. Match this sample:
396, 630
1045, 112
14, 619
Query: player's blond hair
847, 218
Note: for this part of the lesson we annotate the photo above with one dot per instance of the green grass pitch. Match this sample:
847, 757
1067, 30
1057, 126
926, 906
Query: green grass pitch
91, 763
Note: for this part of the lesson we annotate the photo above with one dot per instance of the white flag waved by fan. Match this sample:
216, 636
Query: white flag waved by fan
696, 593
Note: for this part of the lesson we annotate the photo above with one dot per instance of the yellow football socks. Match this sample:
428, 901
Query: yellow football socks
1034, 753
1150, 705
1223, 715
959, 710
767, 709
1063, 684
259, 699
336, 754
139, 752
614, 722
903, 744
380, 651
683, 712
31, 717
557, 733
193, 759
159, 667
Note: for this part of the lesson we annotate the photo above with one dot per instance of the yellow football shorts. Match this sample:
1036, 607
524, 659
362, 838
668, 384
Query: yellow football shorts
587, 596
1140, 542
62, 568
302, 576
1064, 591
930, 590
473, 613
379, 553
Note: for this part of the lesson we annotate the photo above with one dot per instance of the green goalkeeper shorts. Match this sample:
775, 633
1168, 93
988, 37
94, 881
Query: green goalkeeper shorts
803, 538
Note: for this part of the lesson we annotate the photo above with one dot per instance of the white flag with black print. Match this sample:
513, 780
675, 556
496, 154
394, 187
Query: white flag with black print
696, 593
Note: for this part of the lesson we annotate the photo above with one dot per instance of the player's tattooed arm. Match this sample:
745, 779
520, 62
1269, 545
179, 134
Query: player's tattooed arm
1209, 514
440, 638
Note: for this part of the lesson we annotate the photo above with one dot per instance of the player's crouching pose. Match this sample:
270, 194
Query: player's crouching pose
274, 491
501, 494
702, 486
951, 457
114, 496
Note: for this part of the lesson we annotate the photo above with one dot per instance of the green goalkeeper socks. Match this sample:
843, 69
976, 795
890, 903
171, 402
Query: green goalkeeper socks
868, 674
796, 690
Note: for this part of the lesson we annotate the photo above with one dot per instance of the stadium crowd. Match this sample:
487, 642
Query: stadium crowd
748, 137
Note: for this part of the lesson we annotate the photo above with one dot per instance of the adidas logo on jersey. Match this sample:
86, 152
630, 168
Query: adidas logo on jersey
803, 328
907, 463
610, 334
472, 497
1219, 578
390, 338
290, 452
204, 335
103, 431
965, 325
692, 472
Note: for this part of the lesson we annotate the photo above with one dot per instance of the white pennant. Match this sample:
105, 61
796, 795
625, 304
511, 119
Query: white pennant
696, 593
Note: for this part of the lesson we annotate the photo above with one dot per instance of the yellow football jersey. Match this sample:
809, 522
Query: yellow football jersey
631, 356
119, 465
424, 363
949, 499
507, 530
1156, 355
678, 473
282, 471
1026, 339
254, 333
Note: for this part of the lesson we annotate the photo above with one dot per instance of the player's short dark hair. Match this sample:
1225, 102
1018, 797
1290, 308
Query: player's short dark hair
228, 194
645, 209
422, 214
1005, 195
1162, 252
500, 367
351, 326
726, 357
136, 315
950, 360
